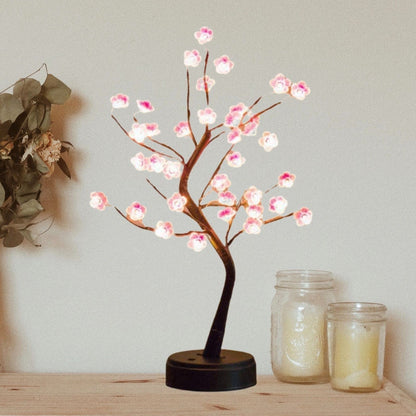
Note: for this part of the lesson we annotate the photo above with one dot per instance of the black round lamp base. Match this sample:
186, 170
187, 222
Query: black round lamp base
190, 370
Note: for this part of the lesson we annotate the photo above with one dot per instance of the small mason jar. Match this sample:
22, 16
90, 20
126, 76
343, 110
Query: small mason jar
299, 342
356, 340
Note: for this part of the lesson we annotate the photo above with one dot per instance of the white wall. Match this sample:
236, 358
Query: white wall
102, 296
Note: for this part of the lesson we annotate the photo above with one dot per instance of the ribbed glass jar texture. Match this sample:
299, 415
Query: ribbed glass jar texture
298, 338
356, 342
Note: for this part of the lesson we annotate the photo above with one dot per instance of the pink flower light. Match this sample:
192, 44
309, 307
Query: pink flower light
235, 160
136, 211
299, 90
156, 162
177, 202
98, 200
226, 214
182, 129
205, 84
164, 230
250, 127
277, 204
223, 64
252, 226
254, 211
139, 162
207, 116
119, 101
204, 35
172, 169
280, 84
197, 242
268, 141
192, 58
303, 217
227, 198
220, 182
286, 180
144, 106
234, 136
139, 131
253, 196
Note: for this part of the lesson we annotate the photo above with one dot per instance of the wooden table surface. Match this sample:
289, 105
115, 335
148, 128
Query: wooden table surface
122, 394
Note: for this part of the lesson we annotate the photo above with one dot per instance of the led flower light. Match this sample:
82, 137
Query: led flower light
164, 230
234, 136
235, 114
207, 116
227, 198
299, 90
223, 64
172, 169
303, 217
156, 163
204, 35
268, 141
197, 241
98, 200
192, 58
139, 131
253, 196
139, 161
254, 211
205, 83
136, 211
252, 226
119, 101
226, 214
280, 84
235, 160
144, 106
176, 202
250, 128
277, 204
220, 182
182, 129
286, 180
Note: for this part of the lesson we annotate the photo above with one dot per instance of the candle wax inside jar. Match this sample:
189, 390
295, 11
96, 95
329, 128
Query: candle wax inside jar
356, 356
303, 340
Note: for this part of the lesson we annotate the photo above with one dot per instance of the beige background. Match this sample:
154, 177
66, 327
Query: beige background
102, 296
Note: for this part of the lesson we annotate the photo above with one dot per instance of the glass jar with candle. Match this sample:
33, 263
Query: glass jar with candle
356, 339
299, 341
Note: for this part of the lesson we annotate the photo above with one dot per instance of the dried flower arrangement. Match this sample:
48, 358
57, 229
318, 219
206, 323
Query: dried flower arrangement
28, 152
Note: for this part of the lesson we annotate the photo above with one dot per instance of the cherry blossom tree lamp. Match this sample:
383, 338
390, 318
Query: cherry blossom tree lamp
213, 368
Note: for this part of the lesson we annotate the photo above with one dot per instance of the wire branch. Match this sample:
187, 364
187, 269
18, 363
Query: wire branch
205, 78
188, 111
168, 147
212, 176
140, 144
155, 188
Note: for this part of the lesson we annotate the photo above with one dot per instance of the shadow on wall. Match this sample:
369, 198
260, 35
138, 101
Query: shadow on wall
53, 187
8, 342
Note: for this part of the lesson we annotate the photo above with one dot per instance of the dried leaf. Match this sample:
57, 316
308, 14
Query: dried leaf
29, 209
64, 167
10, 107
26, 89
55, 90
2, 194
13, 238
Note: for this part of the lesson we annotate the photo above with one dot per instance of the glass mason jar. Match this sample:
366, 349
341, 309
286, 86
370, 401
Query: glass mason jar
356, 340
299, 334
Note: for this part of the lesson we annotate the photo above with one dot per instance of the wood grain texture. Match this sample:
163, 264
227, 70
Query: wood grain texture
147, 395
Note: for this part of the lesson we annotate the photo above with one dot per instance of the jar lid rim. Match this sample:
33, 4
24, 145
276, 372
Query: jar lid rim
304, 279
356, 307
